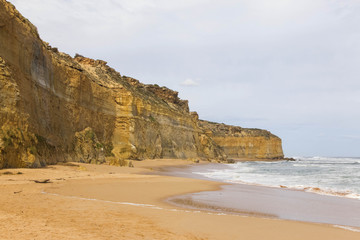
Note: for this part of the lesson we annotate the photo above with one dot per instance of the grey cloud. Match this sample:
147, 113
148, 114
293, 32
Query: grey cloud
189, 83
269, 64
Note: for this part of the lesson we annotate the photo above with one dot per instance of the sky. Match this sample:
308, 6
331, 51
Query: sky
289, 66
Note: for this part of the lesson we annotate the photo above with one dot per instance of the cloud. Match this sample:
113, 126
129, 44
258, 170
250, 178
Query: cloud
189, 83
354, 137
292, 63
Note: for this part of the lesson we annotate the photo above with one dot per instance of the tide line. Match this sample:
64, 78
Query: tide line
150, 206
353, 229
144, 205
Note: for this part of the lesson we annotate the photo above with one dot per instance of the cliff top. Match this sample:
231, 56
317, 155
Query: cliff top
221, 129
16, 15
98, 70
102, 70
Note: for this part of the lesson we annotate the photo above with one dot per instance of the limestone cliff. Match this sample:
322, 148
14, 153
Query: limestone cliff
244, 143
58, 108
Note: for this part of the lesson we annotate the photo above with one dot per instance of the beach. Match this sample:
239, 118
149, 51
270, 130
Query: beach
307, 204
86, 201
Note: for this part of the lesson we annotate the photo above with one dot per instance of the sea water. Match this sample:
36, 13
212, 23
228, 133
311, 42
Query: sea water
338, 176
310, 189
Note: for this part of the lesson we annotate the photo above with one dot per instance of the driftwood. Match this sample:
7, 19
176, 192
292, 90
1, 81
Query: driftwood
42, 181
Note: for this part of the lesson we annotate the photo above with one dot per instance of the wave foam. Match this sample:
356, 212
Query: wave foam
321, 175
347, 194
353, 229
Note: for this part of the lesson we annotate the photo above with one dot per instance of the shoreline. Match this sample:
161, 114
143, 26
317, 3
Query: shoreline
173, 171
88, 205
304, 188
268, 201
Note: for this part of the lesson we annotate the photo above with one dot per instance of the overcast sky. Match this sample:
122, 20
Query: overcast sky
288, 66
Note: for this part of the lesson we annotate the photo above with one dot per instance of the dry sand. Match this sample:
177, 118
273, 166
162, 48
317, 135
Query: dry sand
106, 202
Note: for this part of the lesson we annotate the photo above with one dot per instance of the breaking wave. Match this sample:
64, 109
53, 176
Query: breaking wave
322, 175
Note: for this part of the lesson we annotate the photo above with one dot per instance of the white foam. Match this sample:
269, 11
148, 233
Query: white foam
353, 229
321, 175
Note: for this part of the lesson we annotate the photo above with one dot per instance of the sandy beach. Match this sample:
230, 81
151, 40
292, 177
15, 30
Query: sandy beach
106, 202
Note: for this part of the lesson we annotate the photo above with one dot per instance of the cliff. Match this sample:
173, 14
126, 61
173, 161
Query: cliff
244, 143
56, 108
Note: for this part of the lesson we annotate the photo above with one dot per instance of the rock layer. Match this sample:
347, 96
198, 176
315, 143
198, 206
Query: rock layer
58, 108
244, 143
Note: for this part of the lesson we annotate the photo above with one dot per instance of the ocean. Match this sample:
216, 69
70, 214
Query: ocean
338, 176
310, 189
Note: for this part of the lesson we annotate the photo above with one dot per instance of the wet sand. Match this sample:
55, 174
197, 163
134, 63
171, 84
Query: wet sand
268, 201
105, 202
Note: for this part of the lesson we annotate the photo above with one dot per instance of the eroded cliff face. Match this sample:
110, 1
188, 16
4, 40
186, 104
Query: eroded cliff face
244, 143
58, 108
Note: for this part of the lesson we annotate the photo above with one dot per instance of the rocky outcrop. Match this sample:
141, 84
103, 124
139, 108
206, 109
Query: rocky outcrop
58, 108
87, 148
244, 143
